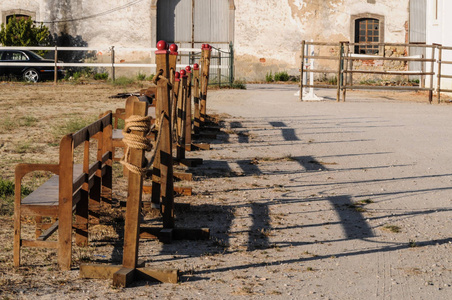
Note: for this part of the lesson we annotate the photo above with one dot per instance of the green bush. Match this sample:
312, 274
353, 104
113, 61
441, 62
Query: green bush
269, 77
23, 32
281, 76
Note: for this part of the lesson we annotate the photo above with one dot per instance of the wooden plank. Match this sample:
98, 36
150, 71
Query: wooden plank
39, 210
135, 186
48, 232
183, 176
185, 191
40, 244
158, 275
94, 271
87, 132
199, 146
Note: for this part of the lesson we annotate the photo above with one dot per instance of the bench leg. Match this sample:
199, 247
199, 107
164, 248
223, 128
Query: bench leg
17, 233
81, 220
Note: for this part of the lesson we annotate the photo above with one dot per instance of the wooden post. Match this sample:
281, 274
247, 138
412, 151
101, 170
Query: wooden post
165, 151
438, 86
303, 45
344, 73
432, 69
339, 72
113, 63
181, 116
188, 114
65, 203
196, 83
205, 53
135, 188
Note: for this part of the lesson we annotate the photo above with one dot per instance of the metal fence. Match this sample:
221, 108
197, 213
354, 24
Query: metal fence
348, 67
221, 67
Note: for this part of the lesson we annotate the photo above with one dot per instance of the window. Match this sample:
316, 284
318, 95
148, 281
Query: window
367, 30
13, 55
8, 18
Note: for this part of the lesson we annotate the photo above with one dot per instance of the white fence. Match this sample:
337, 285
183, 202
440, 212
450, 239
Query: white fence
113, 64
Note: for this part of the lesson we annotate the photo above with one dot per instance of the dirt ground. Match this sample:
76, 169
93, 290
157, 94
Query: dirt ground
304, 200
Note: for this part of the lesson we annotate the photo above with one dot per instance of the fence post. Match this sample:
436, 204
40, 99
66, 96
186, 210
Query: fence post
344, 72
303, 44
339, 72
55, 70
113, 63
438, 86
219, 68
231, 64
432, 70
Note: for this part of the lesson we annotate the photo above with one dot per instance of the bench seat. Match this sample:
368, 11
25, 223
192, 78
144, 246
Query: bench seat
47, 194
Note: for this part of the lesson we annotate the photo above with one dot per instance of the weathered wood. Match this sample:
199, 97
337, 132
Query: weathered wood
181, 106
186, 191
40, 244
98, 271
196, 95
165, 151
200, 146
61, 195
192, 234
183, 176
188, 113
158, 275
205, 69
135, 186
123, 277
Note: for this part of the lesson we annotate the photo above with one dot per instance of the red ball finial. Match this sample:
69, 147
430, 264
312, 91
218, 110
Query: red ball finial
183, 73
177, 75
161, 45
188, 69
173, 48
203, 46
195, 67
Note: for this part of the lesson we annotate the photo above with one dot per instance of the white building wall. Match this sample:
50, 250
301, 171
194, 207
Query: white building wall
268, 34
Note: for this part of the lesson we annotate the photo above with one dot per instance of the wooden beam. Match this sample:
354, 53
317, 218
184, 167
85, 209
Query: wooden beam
133, 208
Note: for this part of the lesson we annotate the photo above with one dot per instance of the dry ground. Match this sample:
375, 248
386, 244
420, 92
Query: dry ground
318, 200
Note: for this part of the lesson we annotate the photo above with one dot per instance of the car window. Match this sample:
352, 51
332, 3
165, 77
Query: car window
9, 55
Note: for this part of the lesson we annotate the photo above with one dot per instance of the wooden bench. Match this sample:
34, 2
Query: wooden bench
74, 188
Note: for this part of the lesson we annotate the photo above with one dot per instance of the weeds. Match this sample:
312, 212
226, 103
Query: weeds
123, 81
281, 76
269, 77
141, 76
392, 228
100, 76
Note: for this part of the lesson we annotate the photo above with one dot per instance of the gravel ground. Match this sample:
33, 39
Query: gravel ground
304, 200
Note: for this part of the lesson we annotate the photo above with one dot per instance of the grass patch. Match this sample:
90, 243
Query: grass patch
7, 196
123, 81
71, 126
100, 76
392, 228
28, 121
